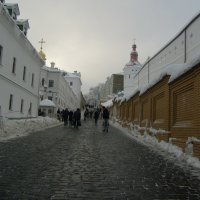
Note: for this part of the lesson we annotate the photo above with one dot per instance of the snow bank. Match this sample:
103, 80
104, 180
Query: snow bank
167, 150
15, 128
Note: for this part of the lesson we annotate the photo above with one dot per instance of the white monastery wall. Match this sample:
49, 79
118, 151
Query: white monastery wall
175, 52
15, 44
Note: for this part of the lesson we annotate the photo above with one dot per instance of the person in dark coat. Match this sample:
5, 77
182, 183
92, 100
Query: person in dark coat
58, 114
96, 116
71, 117
77, 118
86, 114
65, 116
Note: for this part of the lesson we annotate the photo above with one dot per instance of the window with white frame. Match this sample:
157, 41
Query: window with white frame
51, 83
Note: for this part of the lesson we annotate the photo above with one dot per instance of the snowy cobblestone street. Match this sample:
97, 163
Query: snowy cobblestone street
86, 163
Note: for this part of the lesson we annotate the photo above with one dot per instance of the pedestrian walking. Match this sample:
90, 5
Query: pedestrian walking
58, 114
105, 119
71, 117
65, 116
86, 114
96, 116
77, 118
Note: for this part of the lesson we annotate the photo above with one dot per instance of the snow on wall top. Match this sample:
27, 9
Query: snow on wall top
173, 70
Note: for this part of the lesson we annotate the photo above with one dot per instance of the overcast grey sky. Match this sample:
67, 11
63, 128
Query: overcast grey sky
95, 36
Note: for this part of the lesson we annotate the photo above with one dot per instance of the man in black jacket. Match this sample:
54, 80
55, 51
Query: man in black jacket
77, 118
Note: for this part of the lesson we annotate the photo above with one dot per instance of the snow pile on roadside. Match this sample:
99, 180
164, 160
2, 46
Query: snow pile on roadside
166, 149
16, 128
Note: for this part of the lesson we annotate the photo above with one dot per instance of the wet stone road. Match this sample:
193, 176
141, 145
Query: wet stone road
66, 163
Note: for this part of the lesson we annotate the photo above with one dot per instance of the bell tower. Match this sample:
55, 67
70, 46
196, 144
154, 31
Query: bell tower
134, 53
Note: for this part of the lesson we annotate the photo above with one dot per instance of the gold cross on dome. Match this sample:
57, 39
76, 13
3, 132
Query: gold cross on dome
134, 40
42, 42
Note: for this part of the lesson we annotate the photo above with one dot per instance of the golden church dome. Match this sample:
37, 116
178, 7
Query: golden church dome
42, 55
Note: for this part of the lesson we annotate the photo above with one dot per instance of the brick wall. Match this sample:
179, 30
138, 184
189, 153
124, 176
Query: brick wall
159, 95
173, 107
184, 105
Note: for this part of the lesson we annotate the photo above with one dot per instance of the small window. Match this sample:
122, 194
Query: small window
11, 102
20, 27
43, 81
10, 11
71, 83
1, 54
50, 98
32, 80
24, 73
22, 106
51, 83
14, 65
14, 16
30, 109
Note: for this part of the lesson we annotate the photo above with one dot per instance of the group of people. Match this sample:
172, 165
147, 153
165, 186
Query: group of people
70, 117
98, 113
74, 118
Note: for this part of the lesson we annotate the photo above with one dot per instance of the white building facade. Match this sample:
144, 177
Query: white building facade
184, 47
20, 67
74, 81
54, 87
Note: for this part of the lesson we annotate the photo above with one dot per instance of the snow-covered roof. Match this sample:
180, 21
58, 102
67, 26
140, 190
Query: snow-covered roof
14, 6
173, 70
66, 74
71, 75
108, 103
50, 69
47, 103
135, 64
23, 22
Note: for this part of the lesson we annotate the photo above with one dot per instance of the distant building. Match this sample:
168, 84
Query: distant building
130, 70
117, 83
54, 87
105, 91
20, 66
74, 81
111, 87
92, 99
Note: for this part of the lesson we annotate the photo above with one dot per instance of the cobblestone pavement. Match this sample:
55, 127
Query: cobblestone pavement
86, 163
